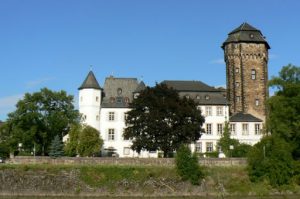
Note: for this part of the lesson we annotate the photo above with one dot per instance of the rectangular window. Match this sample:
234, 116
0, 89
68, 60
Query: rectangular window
208, 129
97, 99
209, 146
245, 129
208, 110
238, 98
111, 116
257, 129
256, 102
232, 129
219, 110
198, 147
126, 151
237, 84
237, 70
220, 129
253, 74
111, 134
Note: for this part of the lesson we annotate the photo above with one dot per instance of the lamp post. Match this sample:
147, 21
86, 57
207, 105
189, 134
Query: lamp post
20, 146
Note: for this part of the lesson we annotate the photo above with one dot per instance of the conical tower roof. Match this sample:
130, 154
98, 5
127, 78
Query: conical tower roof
90, 82
245, 33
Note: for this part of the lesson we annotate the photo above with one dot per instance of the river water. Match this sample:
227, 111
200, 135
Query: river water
216, 197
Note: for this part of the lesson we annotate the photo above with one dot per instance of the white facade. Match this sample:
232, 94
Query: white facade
109, 119
89, 106
215, 118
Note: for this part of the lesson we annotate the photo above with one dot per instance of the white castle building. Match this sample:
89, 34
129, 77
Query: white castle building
105, 109
242, 103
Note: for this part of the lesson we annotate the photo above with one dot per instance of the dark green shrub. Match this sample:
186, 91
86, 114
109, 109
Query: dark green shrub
271, 159
187, 165
241, 150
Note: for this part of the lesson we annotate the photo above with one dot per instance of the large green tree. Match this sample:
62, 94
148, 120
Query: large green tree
38, 118
161, 120
273, 158
284, 107
90, 142
84, 141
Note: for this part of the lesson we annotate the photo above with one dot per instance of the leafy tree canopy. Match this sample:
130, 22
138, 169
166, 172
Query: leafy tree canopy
271, 159
83, 141
38, 118
284, 107
161, 120
90, 142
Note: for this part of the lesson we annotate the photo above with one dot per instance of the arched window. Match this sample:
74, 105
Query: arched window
253, 74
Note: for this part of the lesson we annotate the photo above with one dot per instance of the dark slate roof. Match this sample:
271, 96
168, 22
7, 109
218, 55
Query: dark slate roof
245, 33
191, 86
140, 87
118, 92
90, 82
198, 91
244, 117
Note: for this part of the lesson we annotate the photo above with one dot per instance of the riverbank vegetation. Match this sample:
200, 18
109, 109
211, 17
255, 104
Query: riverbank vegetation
99, 180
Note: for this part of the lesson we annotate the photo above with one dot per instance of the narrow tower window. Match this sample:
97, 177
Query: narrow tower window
253, 74
97, 99
256, 102
237, 70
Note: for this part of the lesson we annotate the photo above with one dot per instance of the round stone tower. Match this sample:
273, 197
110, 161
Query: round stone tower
90, 101
246, 58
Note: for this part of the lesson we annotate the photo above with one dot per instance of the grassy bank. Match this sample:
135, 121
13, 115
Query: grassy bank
130, 181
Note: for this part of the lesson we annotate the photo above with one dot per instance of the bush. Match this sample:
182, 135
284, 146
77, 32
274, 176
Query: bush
271, 159
4, 150
187, 165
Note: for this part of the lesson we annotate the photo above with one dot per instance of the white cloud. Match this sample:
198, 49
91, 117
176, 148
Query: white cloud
37, 82
7, 104
217, 61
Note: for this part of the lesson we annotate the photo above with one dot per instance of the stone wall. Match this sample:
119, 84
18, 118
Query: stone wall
123, 161
242, 90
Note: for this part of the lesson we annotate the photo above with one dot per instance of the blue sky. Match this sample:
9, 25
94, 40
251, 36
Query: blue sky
52, 43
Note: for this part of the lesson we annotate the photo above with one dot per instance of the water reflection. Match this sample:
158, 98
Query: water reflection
198, 197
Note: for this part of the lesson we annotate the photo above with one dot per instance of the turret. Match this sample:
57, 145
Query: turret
246, 58
90, 101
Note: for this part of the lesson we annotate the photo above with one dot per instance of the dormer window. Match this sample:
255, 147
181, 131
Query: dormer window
206, 97
187, 97
119, 91
197, 97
